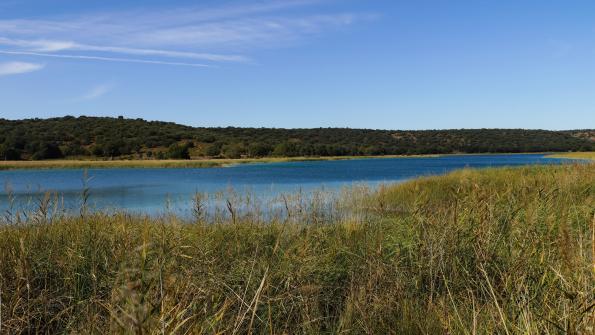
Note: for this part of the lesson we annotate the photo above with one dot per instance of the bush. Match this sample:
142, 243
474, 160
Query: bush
235, 150
120, 136
48, 151
9, 153
178, 151
214, 149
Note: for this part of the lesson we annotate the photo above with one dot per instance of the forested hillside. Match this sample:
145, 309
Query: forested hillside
38, 139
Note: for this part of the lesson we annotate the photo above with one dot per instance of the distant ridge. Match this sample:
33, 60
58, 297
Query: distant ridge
95, 137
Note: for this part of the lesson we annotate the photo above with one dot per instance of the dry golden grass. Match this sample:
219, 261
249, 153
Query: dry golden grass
208, 162
89, 164
195, 163
575, 155
496, 251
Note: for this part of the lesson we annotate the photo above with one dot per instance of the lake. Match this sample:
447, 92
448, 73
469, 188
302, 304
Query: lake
149, 190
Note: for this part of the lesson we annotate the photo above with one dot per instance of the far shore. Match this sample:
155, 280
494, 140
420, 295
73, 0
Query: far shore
574, 155
212, 162
169, 163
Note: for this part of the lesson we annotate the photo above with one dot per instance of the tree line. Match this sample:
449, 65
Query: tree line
104, 137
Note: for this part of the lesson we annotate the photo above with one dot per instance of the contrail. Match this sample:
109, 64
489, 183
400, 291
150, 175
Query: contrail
105, 59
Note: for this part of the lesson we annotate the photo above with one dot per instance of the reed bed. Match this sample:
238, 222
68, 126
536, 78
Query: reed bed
494, 251
575, 155
170, 163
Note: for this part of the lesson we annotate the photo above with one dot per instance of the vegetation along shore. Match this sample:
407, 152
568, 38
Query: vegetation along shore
120, 138
574, 155
202, 163
491, 251
171, 163
208, 162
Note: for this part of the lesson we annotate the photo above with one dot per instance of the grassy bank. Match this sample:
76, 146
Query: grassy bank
496, 251
205, 163
575, 155
197, 163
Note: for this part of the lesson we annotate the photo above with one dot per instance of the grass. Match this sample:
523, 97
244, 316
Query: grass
575, 155
494, 251
194, 163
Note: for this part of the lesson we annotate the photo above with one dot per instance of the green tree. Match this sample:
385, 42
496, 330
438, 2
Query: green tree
259, 150
214, 149
178, 151
288, 149
234, 150
47, 151
9, 153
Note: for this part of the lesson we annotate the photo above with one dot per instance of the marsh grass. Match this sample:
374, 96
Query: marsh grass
495, 251
106, 164
574, 155
216, 162
171, 163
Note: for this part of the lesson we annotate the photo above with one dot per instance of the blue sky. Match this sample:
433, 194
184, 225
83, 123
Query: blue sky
385, 64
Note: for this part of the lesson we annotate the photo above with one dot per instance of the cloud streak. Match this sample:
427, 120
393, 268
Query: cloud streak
96, 92
213, 35
12, 68
105, 59
55, 46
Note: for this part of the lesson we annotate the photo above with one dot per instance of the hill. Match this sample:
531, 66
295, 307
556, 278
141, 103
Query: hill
39, 139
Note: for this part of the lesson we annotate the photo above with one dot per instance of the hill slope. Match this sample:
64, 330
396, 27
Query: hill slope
69, 136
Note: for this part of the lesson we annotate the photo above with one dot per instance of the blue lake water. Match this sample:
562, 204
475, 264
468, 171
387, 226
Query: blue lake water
148, 190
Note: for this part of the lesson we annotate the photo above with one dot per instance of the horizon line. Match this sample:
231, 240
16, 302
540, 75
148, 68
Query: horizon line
291, 128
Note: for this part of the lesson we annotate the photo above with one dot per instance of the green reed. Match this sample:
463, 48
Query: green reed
494, 251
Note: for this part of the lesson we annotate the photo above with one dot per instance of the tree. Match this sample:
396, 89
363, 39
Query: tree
214, 149
9, 153
48, 151
259, 150
235, 150
112, 148
112, 137
288, 149
178, 151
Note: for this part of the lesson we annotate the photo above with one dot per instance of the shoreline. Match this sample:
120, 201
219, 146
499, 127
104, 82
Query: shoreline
373, 248
166, 163
590, 156
211, 162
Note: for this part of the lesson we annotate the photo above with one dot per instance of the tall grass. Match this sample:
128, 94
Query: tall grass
574, 155
496, 251
171, 163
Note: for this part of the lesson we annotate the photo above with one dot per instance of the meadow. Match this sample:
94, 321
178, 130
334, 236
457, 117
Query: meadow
492, 251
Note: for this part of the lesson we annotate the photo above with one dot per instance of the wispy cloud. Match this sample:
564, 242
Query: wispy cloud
55, 46
560, 48
98, 58
37, 45
220, 34
96, 92
10, 68
244, 33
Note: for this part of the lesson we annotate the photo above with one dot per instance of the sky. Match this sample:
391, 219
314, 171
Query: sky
380, 64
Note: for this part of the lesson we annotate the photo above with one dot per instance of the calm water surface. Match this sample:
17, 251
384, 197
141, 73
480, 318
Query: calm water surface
148, 190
